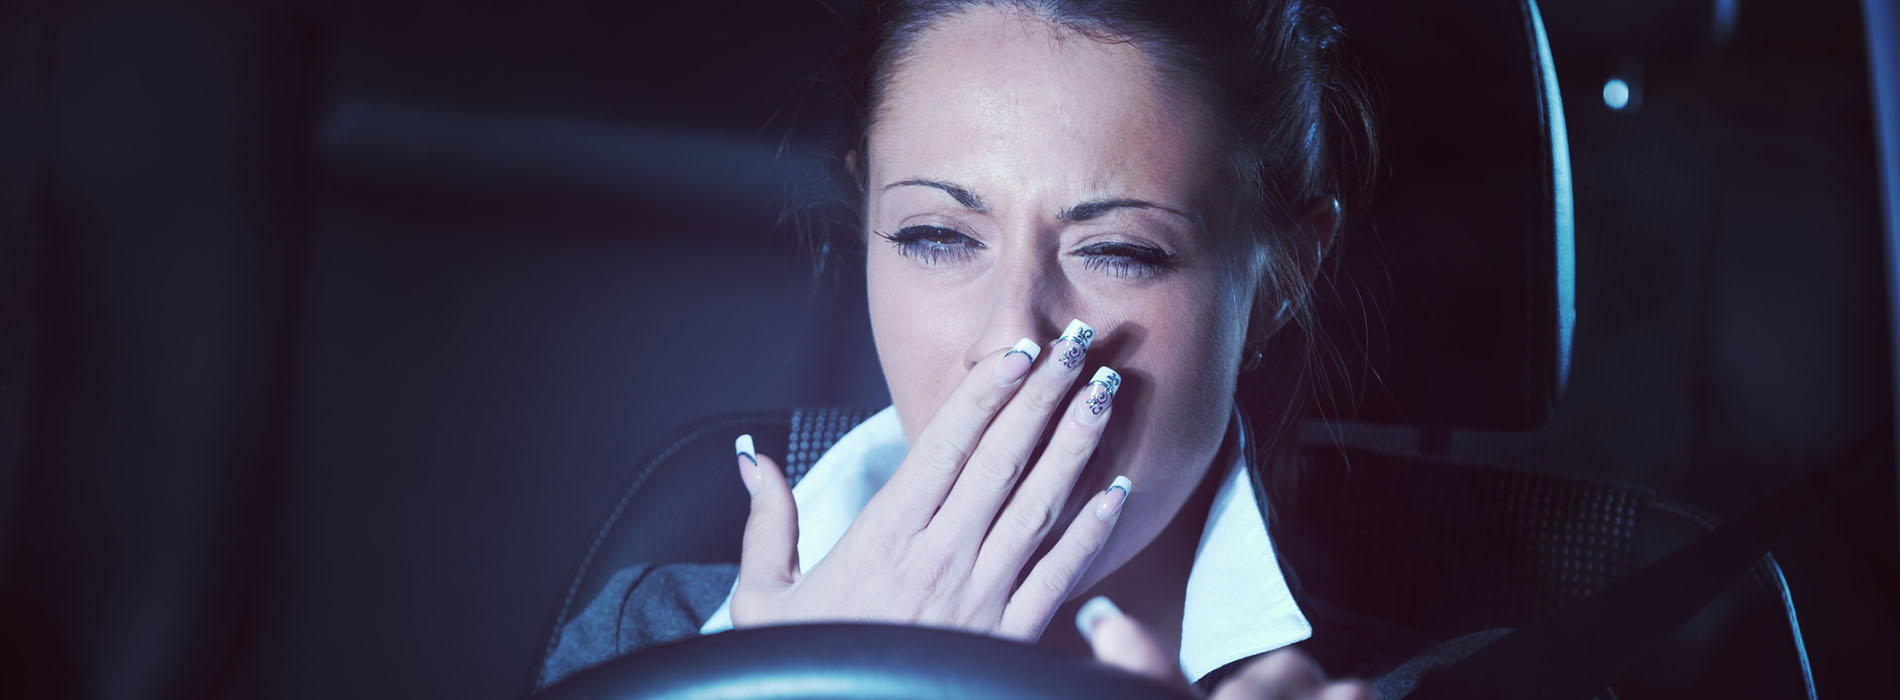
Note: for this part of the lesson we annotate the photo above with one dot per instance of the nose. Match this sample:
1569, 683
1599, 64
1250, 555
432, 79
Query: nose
1026, 300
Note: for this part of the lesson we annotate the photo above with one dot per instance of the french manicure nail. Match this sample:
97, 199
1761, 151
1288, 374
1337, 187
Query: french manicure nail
1016, 362
1101, 390
1092, 613
748, 460
1078, 335
1117, 493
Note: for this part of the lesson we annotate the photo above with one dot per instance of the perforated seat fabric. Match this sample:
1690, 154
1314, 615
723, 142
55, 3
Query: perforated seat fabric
813, 430
1446, 548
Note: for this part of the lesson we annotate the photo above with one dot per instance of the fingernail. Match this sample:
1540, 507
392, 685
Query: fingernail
1074, 342
1101, 391
1016, 362
1117, 493
1093, 613
748, 459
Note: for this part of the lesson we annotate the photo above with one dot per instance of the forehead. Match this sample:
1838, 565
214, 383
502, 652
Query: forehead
1002, 101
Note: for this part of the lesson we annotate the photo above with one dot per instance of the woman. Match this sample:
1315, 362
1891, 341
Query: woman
1132, 197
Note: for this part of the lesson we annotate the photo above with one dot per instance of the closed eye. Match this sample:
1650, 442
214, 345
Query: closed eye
1125, 260
932, 245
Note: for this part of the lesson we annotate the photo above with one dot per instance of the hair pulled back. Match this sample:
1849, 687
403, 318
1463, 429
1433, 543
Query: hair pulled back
1295, 123
1297, 128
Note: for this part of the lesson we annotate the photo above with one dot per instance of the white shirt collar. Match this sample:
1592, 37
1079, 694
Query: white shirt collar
1238, 604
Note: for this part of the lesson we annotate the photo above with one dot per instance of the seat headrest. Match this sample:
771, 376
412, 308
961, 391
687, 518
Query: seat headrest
1452, 303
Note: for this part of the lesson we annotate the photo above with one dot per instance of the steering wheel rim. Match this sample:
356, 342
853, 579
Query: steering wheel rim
853, 661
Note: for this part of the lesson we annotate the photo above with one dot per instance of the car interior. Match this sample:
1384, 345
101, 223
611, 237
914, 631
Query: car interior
350, 347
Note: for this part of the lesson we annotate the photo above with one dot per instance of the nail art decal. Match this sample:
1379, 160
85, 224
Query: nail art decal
1027, 348
1080, 335
1102, 388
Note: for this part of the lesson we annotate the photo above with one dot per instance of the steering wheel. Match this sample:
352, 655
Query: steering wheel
853, 661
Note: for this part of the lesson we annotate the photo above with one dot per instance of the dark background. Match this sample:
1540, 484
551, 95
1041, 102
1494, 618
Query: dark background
331, 329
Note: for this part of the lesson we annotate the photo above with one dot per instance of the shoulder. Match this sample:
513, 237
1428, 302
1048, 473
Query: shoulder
674, 509
641, 605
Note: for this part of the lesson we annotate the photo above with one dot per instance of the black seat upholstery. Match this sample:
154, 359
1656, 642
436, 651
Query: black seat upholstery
1446, 549
1454, 312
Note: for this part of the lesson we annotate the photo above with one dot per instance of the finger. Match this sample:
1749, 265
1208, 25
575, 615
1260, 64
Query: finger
912, 495
1030, 514
1347, 690
1005, 448
1282, 675
1119, 641
1049, 583
768, 558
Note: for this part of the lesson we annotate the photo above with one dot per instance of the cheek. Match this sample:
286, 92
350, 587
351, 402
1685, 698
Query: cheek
1195, 382
920, 337
1186, 363
1188, 331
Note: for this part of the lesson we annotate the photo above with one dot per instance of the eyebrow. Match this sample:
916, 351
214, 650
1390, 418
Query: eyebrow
1080, 212
1090, 210
964, 197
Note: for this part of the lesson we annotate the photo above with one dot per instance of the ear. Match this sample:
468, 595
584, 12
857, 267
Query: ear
1321, 223
1322, 220
854, 167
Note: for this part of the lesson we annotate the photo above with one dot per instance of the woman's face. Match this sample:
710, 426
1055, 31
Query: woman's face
1031, 176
